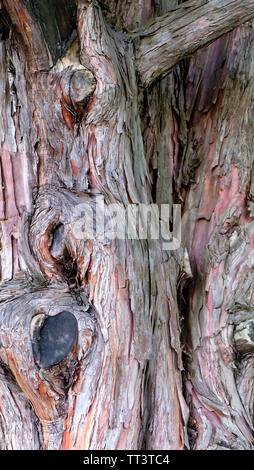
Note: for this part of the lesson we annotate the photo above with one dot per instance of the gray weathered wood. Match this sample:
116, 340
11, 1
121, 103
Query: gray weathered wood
157, 363
180, 32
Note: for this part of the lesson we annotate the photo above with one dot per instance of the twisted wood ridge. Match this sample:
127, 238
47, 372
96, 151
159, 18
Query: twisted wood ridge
84, 112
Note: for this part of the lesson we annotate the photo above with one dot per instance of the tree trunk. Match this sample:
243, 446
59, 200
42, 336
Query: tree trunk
110, 343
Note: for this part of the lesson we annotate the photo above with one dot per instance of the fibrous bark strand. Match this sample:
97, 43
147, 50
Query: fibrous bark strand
180, 32
150, 362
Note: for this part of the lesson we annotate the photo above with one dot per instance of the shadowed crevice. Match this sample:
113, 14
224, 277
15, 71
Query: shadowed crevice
57, 19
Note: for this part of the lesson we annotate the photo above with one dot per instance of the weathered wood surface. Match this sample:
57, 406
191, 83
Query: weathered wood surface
182, 31
218, 228
155, 364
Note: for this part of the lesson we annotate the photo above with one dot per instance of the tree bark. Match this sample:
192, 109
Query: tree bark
158, 347
182, 31
219, 223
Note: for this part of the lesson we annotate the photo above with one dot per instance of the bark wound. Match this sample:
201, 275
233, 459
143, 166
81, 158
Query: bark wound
53, 338
44, 349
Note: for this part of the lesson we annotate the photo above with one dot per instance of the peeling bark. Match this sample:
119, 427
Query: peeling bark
155, 354
220, 237
182, 31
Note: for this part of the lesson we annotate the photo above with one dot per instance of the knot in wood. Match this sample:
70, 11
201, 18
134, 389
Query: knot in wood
244, 337
82, 85
53, 338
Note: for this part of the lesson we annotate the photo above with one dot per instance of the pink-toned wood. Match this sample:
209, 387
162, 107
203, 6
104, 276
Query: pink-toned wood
155, 365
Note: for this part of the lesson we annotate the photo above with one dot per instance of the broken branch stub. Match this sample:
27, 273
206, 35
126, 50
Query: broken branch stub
82, 85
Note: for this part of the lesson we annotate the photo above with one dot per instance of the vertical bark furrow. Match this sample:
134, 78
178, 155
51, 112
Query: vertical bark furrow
221, 232
149, 361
